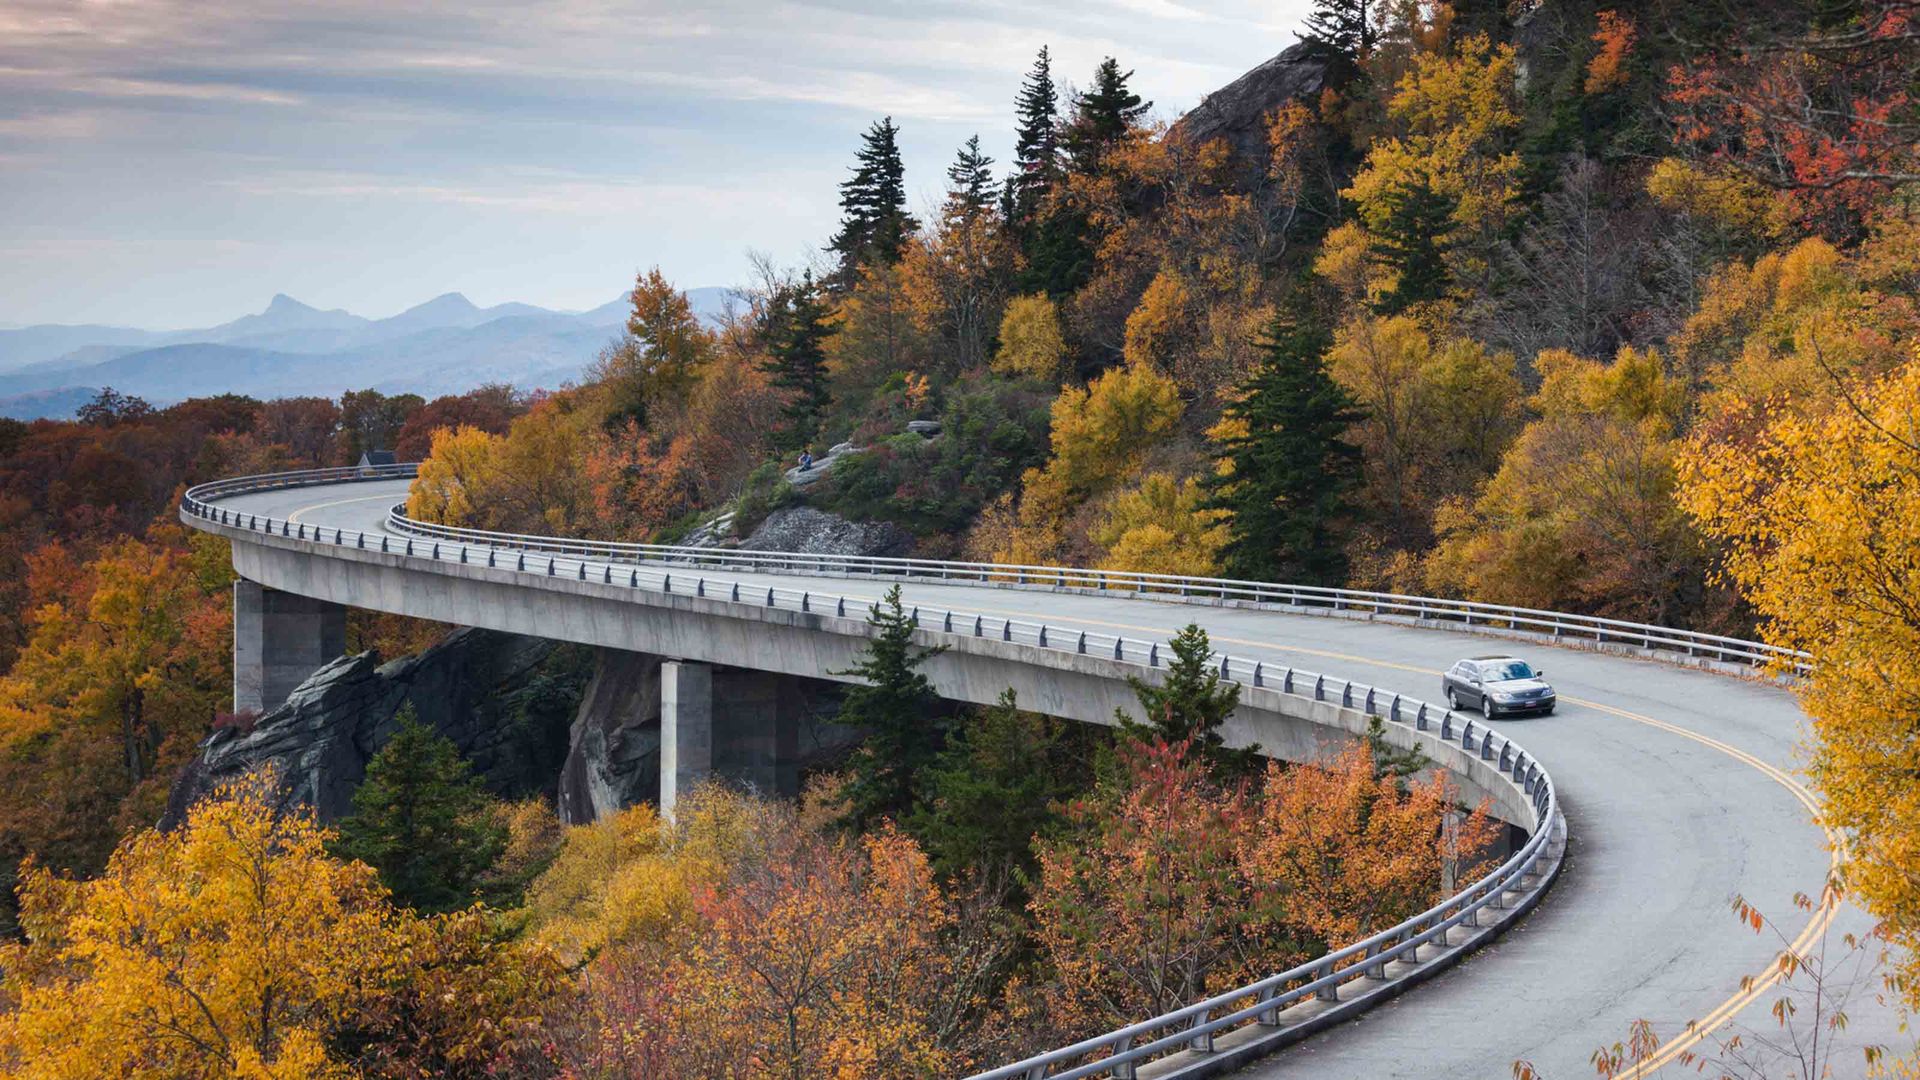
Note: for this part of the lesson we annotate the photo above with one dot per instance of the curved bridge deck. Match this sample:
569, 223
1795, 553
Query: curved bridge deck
1675, 783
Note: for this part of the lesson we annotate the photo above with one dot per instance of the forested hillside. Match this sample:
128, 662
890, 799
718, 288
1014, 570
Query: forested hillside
1603, 308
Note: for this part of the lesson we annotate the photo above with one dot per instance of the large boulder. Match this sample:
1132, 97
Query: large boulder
804, 530
498, 697
1238, 112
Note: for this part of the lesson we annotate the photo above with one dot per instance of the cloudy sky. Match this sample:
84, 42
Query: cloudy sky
172, 164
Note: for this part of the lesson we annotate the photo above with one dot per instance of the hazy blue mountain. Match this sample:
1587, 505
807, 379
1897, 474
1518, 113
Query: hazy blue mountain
58, 404
41, 344
445, 345
283, 314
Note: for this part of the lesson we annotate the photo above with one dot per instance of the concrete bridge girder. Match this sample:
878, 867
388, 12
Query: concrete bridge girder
748, 637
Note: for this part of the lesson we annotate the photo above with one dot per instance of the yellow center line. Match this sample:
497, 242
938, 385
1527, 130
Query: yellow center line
1697, 1030
295, 516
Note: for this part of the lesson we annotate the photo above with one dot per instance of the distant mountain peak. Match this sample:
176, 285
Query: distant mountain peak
282, 303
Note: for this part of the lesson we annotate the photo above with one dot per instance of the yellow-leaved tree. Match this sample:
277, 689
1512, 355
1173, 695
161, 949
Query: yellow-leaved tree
235, 946
1101, 434
1581, 514
1820, 517
1030, 340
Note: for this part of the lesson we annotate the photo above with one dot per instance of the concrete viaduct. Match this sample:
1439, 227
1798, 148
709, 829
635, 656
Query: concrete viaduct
1672, 783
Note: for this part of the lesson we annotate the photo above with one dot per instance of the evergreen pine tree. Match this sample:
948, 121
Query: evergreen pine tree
970, 183
1190, 704
1036, 150
1343, 26
895, 706
421, 819
1413, 239
1102, 116
797, 329
994, 787
1292, 472
874, 222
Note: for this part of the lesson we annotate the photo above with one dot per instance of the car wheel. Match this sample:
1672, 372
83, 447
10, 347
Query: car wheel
1486, 707
1453, 702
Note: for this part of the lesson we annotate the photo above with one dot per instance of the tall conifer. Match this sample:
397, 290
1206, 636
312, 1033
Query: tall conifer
1344, 26
1036, 149
797, 332
1292, 473
874, 223
1102, 117
970, 182
1413, 238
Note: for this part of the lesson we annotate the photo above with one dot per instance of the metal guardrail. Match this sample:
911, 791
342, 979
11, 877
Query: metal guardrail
1560, 627
1119, 1052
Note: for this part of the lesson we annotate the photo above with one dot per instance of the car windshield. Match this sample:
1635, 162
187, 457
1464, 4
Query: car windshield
1503, 670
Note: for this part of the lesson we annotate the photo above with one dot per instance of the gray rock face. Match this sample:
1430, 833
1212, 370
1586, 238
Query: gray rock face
613, 754
478, 688
1238, 111
804, 530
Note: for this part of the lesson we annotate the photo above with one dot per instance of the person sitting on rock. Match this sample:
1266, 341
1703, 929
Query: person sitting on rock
806, 461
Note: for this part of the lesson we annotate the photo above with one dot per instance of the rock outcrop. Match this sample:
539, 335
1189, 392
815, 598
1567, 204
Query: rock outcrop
496, 696
613, 752
805, 478
804, 530
1238, 111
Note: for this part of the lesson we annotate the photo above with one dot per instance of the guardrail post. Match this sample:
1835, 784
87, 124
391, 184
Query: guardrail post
1119, 650
1378, 969
1329, 992
1080, 646
1122, 1070
360, 541
946, 622
1393, 709
700, 586
1269, 1017
1319, 687
633, 578
1420, 718
806, 601
336, 536
978, 627
1256, 673
1202, 1041
1446, 728
550, 566
1346, 694
1466, 736
1286, 681
769, 596
1486, 747
463, 554
736, 592
1006, 629
666, 583
436, 551
1153, 654
1368, 707
840, 607
1505, 750
1043, 635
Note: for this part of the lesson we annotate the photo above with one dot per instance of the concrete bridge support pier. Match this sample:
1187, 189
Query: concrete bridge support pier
686, 729
734, 723
279, 639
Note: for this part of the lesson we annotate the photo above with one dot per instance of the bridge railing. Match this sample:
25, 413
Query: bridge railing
1194, 1027
1557, 626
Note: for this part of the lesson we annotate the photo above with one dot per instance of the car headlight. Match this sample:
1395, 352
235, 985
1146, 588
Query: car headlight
1504, 697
